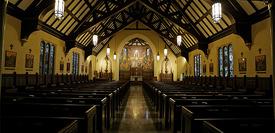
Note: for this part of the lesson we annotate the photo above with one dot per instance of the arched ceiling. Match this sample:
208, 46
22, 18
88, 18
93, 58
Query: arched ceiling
169, 18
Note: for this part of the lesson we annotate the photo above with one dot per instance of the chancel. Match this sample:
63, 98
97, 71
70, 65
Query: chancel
137, 66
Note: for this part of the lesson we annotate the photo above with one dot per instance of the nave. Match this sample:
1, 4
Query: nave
137, 115
99, 66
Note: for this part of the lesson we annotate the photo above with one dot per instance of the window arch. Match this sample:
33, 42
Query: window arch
225, 58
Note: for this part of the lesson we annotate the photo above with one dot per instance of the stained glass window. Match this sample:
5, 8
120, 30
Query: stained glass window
231, 71
197, 59
220, 62
47, 52
42, 44
75, 63
125, 52
226, 61
147, 51
51, 59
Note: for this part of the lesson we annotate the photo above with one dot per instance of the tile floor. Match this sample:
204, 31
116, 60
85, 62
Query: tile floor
136, 115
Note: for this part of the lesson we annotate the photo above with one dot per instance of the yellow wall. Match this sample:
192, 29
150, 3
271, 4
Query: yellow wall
261, 39
118, 41
12, 36
182, 67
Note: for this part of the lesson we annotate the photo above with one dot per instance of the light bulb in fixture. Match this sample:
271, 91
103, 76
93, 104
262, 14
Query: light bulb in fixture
95, 40
115, 56
158, 57
165, 51
179, 40
59, 9
216, 11
108, 50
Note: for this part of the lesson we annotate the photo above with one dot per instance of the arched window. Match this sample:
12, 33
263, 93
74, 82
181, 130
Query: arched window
75, 63
47, 53
225, 57
197, 64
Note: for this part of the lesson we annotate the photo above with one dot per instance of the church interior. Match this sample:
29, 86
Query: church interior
137, 66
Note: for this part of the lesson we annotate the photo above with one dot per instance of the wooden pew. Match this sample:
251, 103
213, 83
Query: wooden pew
238, 125
194, 115
85, 114
174, 111
164, 101
39, 125
102, 109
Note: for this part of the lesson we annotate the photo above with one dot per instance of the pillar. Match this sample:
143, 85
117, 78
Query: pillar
3, 4
273, 53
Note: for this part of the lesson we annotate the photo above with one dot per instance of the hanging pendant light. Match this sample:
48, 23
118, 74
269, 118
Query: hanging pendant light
108, 50
179, 40
95, 39
165, 51
114, 55
158, 57
59, 9
216, 11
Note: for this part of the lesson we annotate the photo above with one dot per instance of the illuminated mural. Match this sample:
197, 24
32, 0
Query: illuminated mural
136, 54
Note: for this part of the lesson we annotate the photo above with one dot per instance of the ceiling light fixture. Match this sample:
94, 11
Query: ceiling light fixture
158, 57
59, 9
95, 40
165, 51
114, 55
217, 11
179, 40
108, 50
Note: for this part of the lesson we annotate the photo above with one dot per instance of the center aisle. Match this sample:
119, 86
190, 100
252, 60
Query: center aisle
136, 116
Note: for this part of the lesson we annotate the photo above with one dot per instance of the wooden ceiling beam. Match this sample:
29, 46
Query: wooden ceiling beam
195, 31
87, 25
86, 17
160, 33
234, 9
111, 34
71, 14
30, 22
165, 15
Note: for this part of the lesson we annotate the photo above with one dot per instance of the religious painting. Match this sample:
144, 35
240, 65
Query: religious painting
211, 69
10, 59
204, 68
260, 62
29, 61
242, 64
136, 59
68, 67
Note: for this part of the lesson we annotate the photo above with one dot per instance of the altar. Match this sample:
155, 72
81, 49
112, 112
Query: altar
136, 78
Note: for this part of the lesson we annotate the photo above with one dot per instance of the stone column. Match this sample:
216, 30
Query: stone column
3, 4
273, 53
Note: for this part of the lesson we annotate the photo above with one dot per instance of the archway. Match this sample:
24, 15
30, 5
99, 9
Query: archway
136, 61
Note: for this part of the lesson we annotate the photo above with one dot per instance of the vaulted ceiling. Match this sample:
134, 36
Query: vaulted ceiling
169, 18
